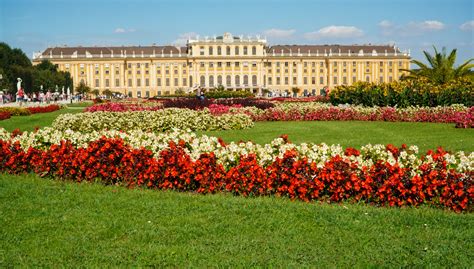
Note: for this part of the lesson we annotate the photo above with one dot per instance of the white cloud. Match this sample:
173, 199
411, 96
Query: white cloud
122, 30
467, 26
279, 33
183, 38
410, 29
334, 31
385, 24
430, 25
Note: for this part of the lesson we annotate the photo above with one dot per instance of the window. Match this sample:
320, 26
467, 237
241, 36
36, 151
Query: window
211, 50
202, 65
237, 80
305, 64
286, 64
237, 64
353, 79
129, 65
184, 82
335, 80
138, 65
254, 50
269, 81
390, 63
381, 63
139, 82
344, 64
107, 83
176, 81
353, 64
278, 80
381, 70
167, 82
390, 79
246, 80
158, 71
129, 94
294, 80
190, 80
117, 71
367, 63
201, 50
147, 94
138, 72
305, 80
117, 82
227, 64
129, 82
321, 80
245, 50
203, 81
254, 80
354, 70
211, 65
97, 71
176, 71
219, 50
158, 82
236, 50
367, 78
321, 70
381, 79
146, 65
344, 80
313, 80
321, 64
286, 80
219, 64
211, 81
335, 64
219, 80
147, 82
167, 71
228, 80
227, 50
254, 64
400, 64
97, 82
139, 94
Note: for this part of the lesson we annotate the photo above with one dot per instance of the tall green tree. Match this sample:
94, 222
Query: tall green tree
440, 68
82, 88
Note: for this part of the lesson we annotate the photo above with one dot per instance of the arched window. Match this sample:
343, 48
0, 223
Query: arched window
236, 50
254, 50
237, 80
203, 81
211, 81
219, 50
246, 80
254, 80
211, 51
245, 50
228, 81
219, 80
227, 50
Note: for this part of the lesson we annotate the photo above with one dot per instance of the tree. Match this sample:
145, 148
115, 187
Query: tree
107, 93
95, 92
295, 91
82, 88
440, 68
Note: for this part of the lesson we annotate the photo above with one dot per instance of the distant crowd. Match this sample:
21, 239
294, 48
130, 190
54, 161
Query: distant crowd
36, 97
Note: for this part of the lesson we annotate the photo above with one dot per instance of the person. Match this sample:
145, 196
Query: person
48, 96
20, 96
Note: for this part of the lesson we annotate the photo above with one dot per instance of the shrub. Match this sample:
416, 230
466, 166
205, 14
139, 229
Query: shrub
405, 93
16, 111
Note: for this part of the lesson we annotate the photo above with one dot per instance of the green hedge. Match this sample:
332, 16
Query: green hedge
405, 93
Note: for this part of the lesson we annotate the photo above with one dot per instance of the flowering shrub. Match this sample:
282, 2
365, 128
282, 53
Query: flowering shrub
153, 121
4, 115
383, 175
318, 98
123, 107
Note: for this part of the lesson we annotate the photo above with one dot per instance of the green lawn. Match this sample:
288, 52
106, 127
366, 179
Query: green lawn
358, 133
48, 223
28, 123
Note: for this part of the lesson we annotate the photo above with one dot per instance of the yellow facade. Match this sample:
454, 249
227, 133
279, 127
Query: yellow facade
233, 62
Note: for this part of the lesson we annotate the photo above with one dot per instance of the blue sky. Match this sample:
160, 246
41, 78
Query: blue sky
33, 25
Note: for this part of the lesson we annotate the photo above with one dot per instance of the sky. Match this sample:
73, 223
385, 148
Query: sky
417, 25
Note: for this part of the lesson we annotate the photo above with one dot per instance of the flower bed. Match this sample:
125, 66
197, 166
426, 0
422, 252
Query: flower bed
4, 115
382, 175
461, 115
43, 109
153, 121
25, 111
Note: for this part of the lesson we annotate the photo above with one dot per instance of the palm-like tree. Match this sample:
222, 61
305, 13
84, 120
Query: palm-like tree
441, 67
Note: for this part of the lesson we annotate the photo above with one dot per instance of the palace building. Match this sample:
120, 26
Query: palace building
229, 61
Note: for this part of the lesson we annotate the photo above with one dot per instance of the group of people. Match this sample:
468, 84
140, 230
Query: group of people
40, 97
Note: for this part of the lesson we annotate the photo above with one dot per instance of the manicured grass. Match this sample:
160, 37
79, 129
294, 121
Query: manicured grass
48, 223
81, 104
358, 133
28, 123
